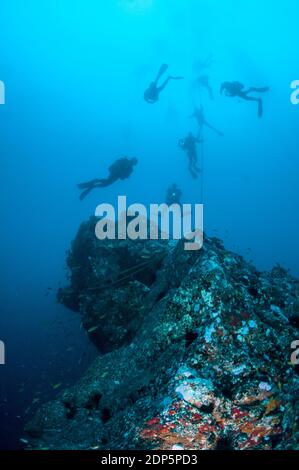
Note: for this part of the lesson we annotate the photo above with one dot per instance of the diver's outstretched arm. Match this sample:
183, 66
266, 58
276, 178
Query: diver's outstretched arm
161, 87
258, 100
213, 128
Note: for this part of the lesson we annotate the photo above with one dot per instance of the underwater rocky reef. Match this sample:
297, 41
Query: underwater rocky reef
194, 350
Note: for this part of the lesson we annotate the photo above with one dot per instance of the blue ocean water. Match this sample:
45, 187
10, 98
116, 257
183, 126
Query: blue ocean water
74, 74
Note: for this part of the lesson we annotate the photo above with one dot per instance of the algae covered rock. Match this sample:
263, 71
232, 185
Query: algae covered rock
194, 351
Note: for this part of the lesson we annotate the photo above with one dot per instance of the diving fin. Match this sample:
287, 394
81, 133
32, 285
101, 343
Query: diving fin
85, 193
161, 72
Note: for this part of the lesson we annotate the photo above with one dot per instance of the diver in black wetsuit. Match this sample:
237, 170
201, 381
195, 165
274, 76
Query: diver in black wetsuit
233, 89
120, 169
198, 114
189, 146
151, 95
173, 195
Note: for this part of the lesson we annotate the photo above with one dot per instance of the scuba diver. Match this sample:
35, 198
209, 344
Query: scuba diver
120, 169
173, 195
151, 95
198, 114
189, 145
204, 82
233, 89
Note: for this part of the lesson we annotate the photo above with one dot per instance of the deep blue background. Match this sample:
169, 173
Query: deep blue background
75, 72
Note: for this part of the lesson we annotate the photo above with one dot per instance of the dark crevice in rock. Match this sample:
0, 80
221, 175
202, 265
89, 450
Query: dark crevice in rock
294, 321
105, 415
207, 408
224, 443
70, 410
227, 389
93, 401
190, 337
161, 296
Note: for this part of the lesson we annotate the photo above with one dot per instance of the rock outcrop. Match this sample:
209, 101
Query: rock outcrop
194, 351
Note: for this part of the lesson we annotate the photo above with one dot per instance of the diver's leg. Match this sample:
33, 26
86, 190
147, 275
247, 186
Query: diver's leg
195, 167
194, 170
258, 100
88, 184
103, 183
191, 169
107, 181
161, 72
161, 87
193, 173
